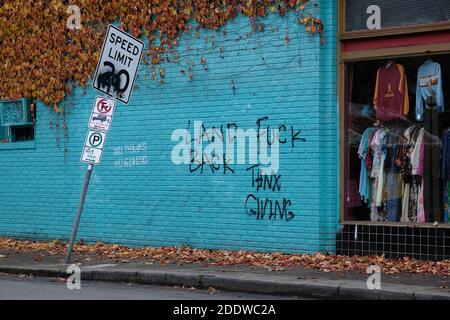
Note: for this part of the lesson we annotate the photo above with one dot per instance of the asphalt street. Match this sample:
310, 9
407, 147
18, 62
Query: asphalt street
13, 287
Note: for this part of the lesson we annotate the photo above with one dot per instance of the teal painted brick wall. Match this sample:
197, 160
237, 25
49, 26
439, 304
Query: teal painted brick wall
329, 126
137, 196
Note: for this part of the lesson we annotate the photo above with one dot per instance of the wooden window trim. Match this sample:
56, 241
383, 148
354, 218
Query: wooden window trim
341, 111
346, 57
386, 53
394, 31
396, 224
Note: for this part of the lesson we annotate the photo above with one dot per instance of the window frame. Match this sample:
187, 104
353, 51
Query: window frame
344, 58
18, 145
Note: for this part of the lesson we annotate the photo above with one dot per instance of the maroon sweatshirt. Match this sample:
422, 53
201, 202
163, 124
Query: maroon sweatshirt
391, 93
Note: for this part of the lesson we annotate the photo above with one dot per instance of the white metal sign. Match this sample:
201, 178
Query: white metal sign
91, 155
93, 146
95, 139
117, 69
102, 114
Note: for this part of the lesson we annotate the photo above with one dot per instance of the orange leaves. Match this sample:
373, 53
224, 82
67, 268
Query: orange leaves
40, 55
271, 261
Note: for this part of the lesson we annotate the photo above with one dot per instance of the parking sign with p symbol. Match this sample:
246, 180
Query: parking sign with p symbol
95, 139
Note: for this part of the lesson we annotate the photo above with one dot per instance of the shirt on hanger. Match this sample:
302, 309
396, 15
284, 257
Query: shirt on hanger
391, 99
415, 154
429, 83
363, 151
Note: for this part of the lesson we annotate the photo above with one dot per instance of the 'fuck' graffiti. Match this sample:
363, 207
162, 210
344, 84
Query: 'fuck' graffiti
219, 148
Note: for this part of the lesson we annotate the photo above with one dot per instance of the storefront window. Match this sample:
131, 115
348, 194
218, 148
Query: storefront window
397, 140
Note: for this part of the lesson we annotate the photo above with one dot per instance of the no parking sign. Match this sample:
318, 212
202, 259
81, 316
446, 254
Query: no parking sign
102, 114
99, 124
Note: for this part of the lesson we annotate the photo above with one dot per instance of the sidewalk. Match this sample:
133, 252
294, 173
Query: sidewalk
296, 281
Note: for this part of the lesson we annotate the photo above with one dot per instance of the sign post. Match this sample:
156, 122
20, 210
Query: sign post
114, 76
99, 124
80, 210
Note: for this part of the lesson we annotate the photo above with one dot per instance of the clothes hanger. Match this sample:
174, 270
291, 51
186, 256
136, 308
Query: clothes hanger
390, 63
378, 124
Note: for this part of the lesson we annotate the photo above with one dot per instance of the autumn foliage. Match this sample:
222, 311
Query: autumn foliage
42, 58
271, 261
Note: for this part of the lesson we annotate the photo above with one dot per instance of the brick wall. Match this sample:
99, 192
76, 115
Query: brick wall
137, 196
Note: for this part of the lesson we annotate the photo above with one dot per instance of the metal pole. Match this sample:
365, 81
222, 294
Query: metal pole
80, 210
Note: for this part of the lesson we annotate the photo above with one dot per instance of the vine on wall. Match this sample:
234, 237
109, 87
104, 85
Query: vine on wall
41, 58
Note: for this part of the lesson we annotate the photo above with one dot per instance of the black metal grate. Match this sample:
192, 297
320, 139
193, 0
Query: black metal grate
396, 13
422, 243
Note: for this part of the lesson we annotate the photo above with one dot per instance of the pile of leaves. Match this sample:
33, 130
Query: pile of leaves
271, 261
44, 59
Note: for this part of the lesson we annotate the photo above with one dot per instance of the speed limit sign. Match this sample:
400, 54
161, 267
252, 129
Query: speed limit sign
117, 69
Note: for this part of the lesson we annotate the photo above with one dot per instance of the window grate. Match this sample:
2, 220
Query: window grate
15, 113
421, 243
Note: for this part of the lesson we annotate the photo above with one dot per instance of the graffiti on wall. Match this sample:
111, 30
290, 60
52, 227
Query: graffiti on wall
131, 155
267, 207
219, 149
228, 145
112, 80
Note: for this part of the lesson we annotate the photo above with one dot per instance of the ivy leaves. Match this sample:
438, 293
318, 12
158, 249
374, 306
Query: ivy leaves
44, 60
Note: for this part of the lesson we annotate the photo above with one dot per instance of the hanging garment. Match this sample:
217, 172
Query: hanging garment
410, 190
369, 157
419, 170
415, 154
413, 207
378, 176
429, 83
408, 144
381, 174
405, 202
375, 145
381, 199
364, 179
420, 207
391, 99
393, 185
373, 208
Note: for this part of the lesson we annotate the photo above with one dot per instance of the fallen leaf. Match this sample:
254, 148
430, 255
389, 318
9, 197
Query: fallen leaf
212, 290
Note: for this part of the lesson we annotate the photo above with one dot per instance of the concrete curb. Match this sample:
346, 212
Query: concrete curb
322, 289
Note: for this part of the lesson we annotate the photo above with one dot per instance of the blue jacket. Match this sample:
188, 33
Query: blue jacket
429, 72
